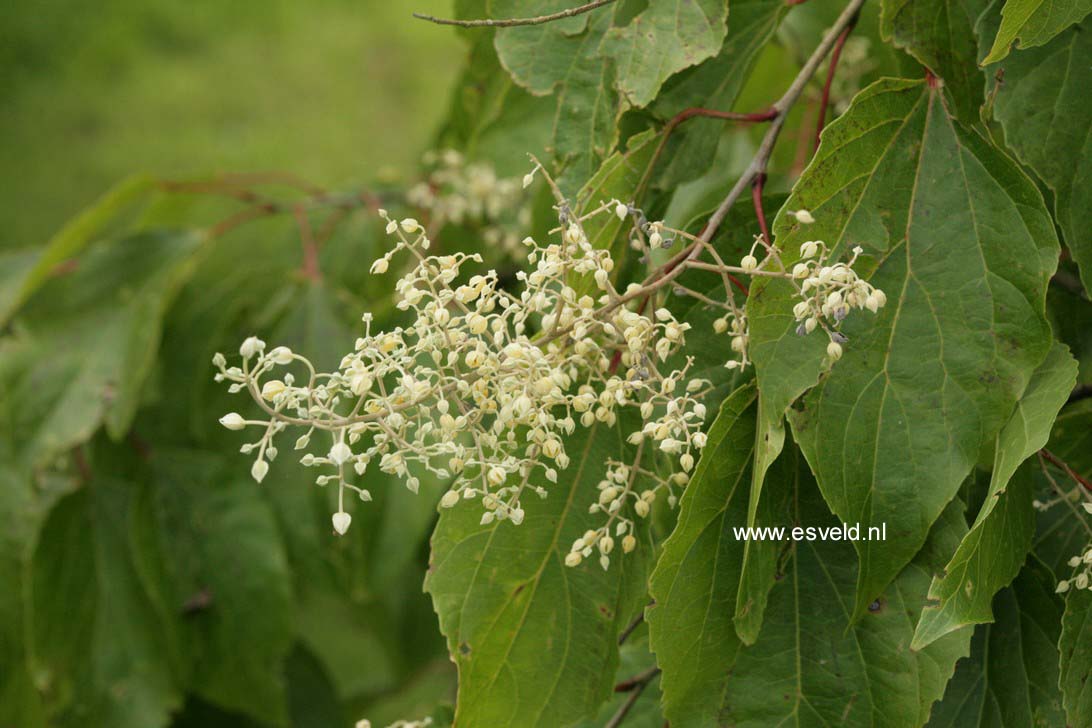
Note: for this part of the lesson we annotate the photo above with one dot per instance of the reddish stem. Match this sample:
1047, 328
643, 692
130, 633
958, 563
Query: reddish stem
1077, 478
835, 54
310, 266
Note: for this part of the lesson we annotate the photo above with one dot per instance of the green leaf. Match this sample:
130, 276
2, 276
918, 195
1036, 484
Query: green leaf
1043, 108
964, 248
71, 239
696, 578
992, 553
222, 554
562, 58
1010, 679
103, 650
1034, 23
92, 337
811, 665
714, 84
940, 35
1076, 662
660, 41
535, 641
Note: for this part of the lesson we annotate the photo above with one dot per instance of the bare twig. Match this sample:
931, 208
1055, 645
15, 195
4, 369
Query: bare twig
634, 695
642, 677
510, 22
1074, 476
831, 68
633, 625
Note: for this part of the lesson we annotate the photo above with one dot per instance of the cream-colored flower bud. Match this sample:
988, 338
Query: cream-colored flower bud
642, 508
450, 499
251, 346
748, 263
687, 461
629, 543
573, 558
804, 216
621, 210
834, 350
809, 249
497, 476
720, 325
341, 521
233, 421
379, 266
259, 470
340, 453
410, 225
800, 270
606, 545
271, 389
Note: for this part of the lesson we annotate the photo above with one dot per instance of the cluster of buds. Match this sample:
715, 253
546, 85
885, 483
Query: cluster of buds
1081, 565
618, 497
460, 192
481, 387
828, 292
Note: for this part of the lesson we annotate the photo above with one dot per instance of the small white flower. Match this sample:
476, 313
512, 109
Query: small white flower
450, 499
410, 225
622, 211
749, 263
573, 558
834, 350
379, 266
804, 216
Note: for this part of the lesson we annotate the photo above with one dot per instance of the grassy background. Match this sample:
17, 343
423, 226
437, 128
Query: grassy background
337, 91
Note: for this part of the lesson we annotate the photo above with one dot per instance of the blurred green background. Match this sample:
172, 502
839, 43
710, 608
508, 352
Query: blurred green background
334, 90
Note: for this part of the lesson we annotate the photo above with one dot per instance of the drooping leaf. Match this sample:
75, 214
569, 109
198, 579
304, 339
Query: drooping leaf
696, 578
963, 247
1010, 679
93, 335
940, 34
811, 665
69, 241
661, 40
1034, 23
993, 551
1075, 645
102, 638
535, 641
1043, 107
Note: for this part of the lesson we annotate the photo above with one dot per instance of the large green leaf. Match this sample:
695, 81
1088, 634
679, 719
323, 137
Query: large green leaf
562, 58
963, 246
811, 665
220, 550
1043, 106
993, 551
663, 39
535, 641
940, 34
1075, 645
34, 267
696, 578
91, 340
102, 638
714, 84
1034, 22
1010, 679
